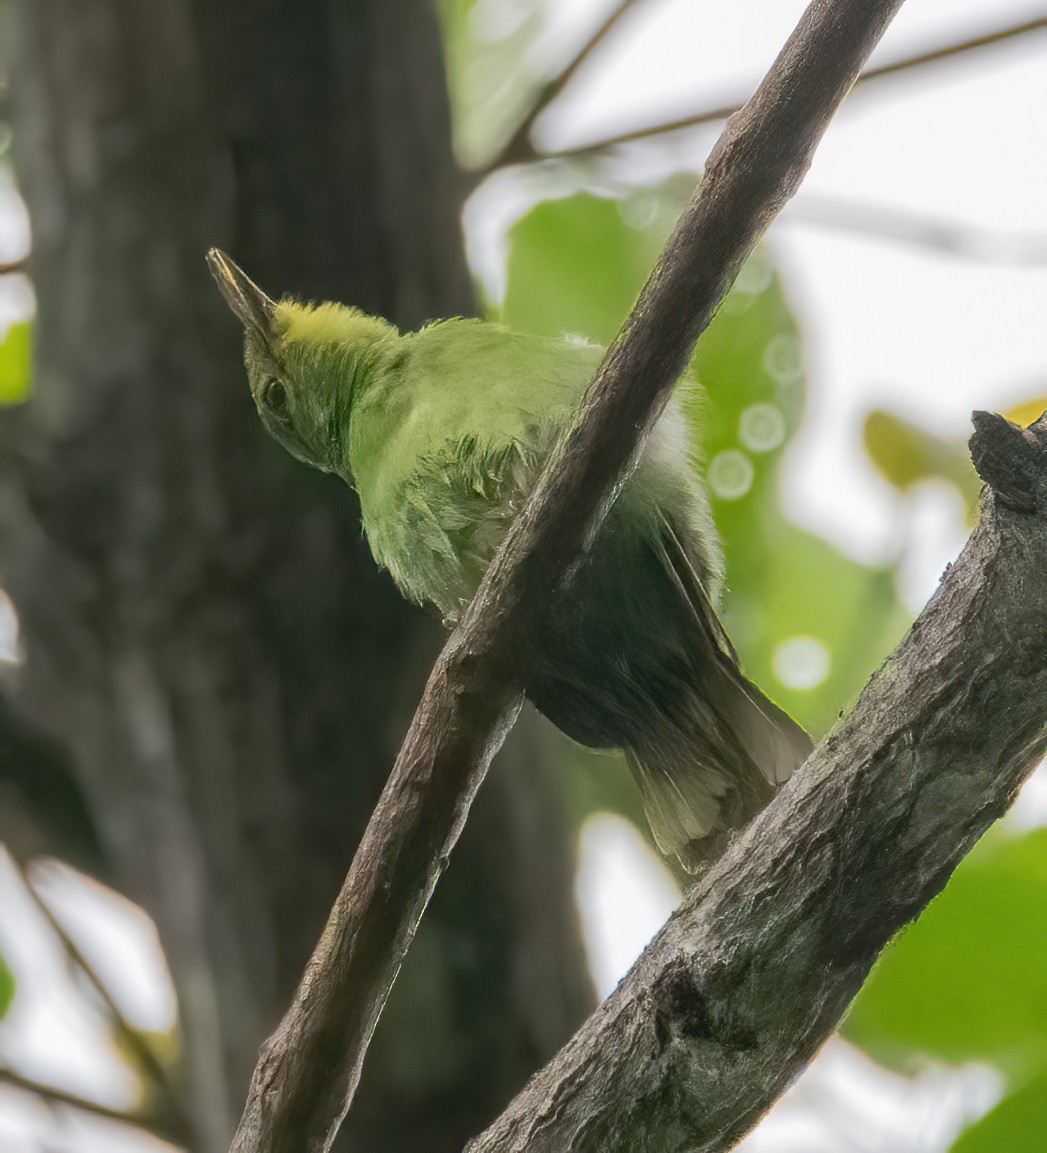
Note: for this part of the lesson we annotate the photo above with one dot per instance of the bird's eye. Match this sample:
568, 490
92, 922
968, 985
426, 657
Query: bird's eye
274, 397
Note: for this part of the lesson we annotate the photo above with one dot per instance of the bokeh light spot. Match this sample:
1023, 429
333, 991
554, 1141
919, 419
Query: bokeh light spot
782, 359
801, 662
730, 474
761, 427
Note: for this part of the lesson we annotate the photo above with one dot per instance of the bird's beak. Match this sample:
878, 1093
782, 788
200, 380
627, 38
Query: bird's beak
248, 302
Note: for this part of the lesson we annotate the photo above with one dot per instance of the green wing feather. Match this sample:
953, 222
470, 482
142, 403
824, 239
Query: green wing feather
436, 501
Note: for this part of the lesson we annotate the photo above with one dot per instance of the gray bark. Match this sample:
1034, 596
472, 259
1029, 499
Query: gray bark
206, 633
749, 977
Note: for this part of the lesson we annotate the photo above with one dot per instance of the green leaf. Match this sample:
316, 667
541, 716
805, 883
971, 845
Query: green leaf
906, 454
16, 362
968, 981
7, 987
750, 362
1018, 1124
488, 78
1028, 411
809, 623
576, 265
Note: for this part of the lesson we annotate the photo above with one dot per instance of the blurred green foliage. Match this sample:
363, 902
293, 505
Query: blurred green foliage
16, 362
489, 77
906, 454
1027, 411
576, 264
968, 981
7, 987
1018, 1124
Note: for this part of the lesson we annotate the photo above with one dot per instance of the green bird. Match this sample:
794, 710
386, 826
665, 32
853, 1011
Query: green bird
443, 433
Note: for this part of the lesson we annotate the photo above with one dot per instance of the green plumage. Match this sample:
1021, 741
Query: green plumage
443, 433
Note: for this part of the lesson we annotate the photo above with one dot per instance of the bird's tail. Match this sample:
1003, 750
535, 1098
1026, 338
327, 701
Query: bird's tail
706, 776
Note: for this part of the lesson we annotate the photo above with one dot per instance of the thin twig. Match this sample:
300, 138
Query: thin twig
309, 1069
158, 1126
524, 151
518, 146
988, 246
147, 1062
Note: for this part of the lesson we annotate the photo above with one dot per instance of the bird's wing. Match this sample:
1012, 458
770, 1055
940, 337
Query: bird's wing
456, 508
484, 408
774, 741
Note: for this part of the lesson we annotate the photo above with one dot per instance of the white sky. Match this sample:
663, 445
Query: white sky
886, 325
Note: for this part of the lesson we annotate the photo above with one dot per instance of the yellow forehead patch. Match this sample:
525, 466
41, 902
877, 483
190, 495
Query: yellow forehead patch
328, 323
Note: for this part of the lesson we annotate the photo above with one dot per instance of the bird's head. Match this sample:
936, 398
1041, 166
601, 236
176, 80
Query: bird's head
303, 362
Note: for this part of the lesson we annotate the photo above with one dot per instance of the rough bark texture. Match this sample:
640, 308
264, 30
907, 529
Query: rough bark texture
308, 1071
206, 632
752, 973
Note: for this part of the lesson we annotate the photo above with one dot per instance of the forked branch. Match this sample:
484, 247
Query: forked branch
754, 970
308, 1071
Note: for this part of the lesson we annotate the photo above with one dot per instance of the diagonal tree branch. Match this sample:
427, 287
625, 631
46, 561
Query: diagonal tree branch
523, 150
308, 1070
749, 977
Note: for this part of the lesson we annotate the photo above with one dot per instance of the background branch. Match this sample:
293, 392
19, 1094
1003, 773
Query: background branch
147, 1064
518, 147
308, 1071
966, 242
523, 150
753, 971
162, 1127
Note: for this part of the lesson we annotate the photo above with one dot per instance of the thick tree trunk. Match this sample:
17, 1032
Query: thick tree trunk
205, 629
